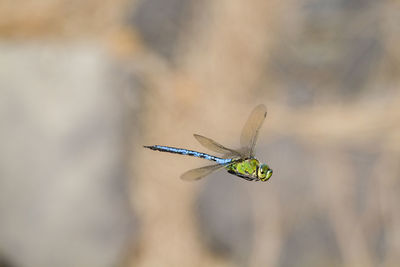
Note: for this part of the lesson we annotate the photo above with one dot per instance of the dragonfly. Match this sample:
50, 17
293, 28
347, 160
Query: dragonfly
240, 162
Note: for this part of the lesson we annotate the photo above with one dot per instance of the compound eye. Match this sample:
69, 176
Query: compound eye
262, 172
269, 174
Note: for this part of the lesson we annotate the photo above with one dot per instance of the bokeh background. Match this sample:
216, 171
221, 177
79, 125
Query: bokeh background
84, 84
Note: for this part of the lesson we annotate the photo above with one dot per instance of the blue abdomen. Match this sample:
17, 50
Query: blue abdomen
187, 152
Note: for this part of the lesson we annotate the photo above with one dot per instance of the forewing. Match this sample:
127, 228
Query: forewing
196, 174
250, 130
216, 147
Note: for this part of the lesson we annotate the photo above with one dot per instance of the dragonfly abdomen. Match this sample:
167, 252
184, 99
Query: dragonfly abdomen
187, 152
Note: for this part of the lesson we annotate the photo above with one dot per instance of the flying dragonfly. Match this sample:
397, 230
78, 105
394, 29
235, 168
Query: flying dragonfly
241, 162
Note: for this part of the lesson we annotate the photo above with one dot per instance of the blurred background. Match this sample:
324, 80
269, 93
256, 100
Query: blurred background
84, 84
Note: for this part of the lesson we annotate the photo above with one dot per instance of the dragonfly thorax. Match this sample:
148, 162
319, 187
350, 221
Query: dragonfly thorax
250, 169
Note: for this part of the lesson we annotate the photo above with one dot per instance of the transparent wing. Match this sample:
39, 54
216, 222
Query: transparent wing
214, 146
250, 130
196, 174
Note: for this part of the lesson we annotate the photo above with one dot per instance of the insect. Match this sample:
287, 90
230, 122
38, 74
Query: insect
241, 162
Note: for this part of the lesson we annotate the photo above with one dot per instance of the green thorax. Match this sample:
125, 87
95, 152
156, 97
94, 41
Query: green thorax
250, 169
246, 167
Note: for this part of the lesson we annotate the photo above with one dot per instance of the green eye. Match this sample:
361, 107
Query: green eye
264, 172
269, 174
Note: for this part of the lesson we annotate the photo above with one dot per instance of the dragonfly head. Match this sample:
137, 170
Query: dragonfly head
264, 172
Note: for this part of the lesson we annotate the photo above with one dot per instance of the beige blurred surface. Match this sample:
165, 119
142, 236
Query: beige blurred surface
328, 72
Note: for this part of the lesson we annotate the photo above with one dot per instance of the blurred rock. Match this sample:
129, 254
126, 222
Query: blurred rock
160, 22
288, 207
311, 243
5, 263
293, 171
225, 217
328, 48
63, 173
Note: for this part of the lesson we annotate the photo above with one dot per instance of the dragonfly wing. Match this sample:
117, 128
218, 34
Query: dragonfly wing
196, 174
216, 147
250, 130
